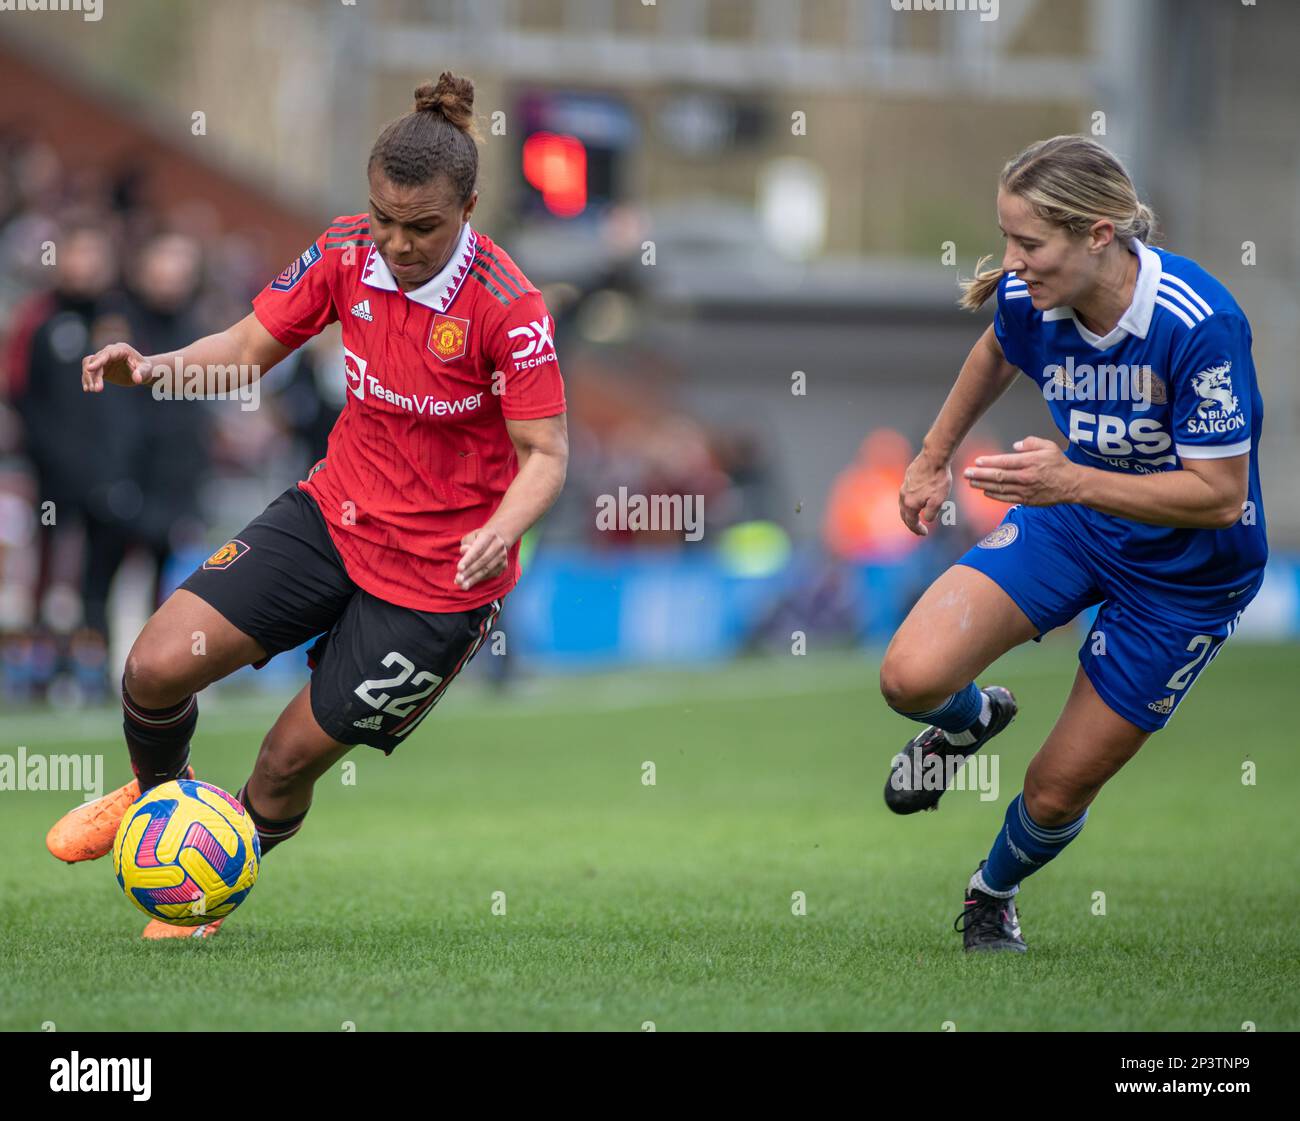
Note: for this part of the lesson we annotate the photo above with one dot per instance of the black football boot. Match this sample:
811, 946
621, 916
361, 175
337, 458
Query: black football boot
988, 923
920, 772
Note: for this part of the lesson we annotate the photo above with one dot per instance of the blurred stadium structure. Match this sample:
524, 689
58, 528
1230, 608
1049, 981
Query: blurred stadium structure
716, 195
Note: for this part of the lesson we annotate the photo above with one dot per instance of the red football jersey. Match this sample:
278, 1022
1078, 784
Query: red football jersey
420, 454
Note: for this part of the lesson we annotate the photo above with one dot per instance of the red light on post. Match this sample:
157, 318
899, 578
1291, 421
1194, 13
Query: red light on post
556, 166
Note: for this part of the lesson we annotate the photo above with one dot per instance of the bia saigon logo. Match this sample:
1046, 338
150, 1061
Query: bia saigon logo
1217, 409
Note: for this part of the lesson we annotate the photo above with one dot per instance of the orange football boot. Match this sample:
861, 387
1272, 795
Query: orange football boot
87, 832
158, 929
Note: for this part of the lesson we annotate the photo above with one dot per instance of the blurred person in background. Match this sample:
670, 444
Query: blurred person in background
81, 454
862, 507
745, 459
169, 459
310, 397
32, 196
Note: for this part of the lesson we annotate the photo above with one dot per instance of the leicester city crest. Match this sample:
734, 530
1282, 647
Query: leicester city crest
1001, 537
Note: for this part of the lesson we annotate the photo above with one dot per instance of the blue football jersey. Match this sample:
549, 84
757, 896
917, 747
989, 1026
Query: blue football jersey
1173, 381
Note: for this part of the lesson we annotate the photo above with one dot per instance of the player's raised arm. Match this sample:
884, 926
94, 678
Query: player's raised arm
246, 344
984, 377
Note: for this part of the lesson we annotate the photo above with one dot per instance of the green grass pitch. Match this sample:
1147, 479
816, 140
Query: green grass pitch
629, 905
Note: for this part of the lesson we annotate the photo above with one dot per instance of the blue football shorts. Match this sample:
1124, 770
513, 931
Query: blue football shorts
1146, 647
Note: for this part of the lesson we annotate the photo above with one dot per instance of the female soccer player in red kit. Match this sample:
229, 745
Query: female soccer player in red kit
398, 546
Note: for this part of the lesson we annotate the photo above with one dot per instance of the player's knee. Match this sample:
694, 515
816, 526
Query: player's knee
1050, 806
903, 684
280, 772
153, 679
282, 765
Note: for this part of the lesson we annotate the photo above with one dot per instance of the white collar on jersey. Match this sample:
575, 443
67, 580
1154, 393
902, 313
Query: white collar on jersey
438, 292
1137, 319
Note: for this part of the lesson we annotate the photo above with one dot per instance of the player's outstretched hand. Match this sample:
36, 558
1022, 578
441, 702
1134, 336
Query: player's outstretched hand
925, 489
117, 364
483, 555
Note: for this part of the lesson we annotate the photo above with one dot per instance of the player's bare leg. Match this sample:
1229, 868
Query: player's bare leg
962, 624
294, 754
185, 646
1088, 745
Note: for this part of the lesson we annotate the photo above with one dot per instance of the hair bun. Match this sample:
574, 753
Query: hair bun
452, 97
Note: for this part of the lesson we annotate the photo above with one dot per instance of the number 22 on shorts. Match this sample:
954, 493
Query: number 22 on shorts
397, 706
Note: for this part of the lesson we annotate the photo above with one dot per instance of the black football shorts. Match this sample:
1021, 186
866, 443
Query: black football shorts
377, 669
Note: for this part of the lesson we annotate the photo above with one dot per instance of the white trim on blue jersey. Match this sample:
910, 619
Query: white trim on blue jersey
1212, 451
1015, 288
1179, 297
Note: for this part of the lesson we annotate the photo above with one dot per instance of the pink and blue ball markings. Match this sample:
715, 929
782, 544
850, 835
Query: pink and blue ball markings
228, 866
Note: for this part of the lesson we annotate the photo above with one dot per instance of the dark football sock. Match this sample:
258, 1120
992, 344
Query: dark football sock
158, 738
961, 717
270, 833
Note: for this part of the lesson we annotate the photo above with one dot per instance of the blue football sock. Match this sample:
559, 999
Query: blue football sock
1023, 846
958, 716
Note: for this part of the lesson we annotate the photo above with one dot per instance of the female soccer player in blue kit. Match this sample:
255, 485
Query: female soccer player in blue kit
1153, 511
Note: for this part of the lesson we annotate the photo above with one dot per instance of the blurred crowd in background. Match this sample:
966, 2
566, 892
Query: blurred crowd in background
86, 480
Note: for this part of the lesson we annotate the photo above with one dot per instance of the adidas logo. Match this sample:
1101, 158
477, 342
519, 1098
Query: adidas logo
362, 311
371, 722
1163, 707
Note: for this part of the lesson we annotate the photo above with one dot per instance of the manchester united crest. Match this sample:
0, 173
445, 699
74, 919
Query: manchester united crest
224, 557
447, 337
